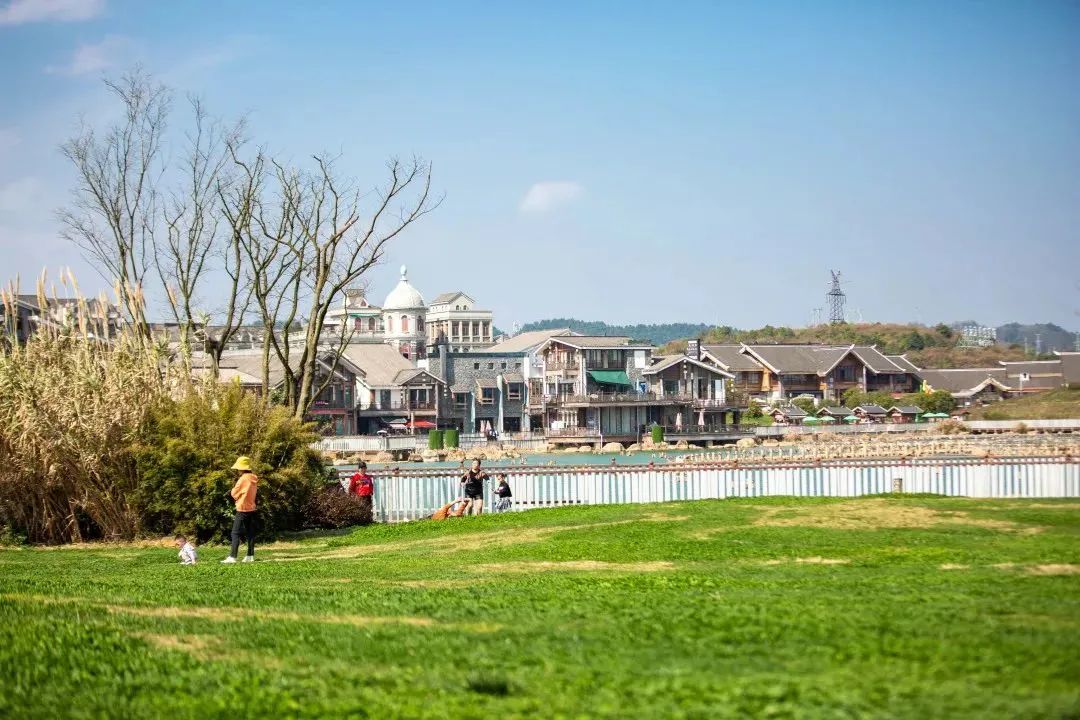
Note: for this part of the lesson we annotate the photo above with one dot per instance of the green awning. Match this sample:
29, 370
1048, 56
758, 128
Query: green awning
611, 377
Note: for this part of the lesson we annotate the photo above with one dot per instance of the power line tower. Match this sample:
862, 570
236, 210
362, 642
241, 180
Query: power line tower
835, 299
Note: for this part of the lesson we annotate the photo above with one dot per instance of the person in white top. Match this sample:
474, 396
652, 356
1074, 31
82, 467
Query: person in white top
187, 551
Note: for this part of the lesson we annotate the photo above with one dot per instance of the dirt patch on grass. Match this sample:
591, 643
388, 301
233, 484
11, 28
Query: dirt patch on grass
576, 566
199, 647
447, 584
953, 566
235, 614
809, 561
1054, 569
467, 542
875, 514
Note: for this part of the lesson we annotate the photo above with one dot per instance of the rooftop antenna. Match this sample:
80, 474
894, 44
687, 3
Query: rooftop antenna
836, 299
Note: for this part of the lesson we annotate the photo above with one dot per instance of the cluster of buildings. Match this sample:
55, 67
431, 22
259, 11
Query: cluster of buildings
411, 365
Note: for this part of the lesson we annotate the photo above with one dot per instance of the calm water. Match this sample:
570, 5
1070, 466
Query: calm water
542, 459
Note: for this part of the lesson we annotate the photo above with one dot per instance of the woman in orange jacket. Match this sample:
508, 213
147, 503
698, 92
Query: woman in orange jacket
243, 494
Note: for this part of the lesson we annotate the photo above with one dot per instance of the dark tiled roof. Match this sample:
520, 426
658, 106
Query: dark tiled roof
800, 359
732, 358
903, 363
835, 411
906, 409
872, 409
875, 361
961, 379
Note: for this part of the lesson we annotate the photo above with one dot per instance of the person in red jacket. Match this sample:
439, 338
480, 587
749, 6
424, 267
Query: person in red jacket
362, 485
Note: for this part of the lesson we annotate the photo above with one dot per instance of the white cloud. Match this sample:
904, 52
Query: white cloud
18, 12
93, 57
545, 196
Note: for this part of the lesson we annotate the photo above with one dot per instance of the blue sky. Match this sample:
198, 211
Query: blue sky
629, 162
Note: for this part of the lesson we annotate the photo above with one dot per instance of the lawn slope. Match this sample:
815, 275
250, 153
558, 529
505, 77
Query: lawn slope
899, 608
1061, 404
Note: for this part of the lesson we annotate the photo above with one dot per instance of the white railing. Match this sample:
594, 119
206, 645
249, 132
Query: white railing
975, 425
411, 495
371, 443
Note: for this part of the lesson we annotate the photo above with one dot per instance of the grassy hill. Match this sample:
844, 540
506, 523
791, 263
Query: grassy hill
902, 608
1063, 404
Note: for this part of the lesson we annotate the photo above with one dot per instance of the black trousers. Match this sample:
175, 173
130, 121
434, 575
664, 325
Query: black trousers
243, 524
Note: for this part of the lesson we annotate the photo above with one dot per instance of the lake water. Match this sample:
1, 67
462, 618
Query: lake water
541, 460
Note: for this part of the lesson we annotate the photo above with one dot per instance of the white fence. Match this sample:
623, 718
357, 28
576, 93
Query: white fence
974, 425
415, 494
371, 443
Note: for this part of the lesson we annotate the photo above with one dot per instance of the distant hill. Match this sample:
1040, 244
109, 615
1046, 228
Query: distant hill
929, 347
657, 334
1051, 337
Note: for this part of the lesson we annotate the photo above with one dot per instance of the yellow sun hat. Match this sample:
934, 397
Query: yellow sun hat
242, 463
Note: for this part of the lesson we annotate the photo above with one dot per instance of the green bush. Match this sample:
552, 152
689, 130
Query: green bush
435, 440
657, 434
450, 438
188, 447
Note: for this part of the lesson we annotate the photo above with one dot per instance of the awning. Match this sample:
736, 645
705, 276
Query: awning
513, 377
611, 377
485, 382
421, 425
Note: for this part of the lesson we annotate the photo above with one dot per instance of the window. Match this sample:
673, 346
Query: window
476, 366
358, 324
389, 324
513, 391
487, 396
371, 324
419, 324
671, 387
491, 366
404, 323
405, 350
517, 365
384, 399
461, 400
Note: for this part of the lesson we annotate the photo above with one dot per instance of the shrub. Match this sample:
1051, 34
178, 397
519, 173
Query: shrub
435, 440
450, 438
952, 427
1022, 429
753, 412
190, 444
332, 507
657, 434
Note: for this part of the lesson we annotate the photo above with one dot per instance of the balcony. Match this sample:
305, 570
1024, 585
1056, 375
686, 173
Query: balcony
562, 365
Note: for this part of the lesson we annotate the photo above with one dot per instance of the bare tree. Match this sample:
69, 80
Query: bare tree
195, 243
316, 236
113, 214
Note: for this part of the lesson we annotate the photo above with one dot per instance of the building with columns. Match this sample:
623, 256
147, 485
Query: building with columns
454, 321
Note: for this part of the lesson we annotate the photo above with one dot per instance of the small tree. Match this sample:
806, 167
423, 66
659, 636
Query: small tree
657, 434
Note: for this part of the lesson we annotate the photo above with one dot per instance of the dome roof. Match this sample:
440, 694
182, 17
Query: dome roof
404, 296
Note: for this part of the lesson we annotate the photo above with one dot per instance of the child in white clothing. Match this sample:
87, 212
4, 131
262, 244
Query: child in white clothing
187, 551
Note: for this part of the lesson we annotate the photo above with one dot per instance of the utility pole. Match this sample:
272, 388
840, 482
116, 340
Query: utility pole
1038, 343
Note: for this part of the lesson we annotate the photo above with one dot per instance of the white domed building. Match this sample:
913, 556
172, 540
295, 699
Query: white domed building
403, 316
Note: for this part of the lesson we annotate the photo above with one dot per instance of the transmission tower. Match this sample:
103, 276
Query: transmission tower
835, 299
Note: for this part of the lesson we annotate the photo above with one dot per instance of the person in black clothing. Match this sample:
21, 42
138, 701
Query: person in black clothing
473, 484
503, 491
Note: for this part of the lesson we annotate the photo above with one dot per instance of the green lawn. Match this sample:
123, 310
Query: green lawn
891, 608
1060, 404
